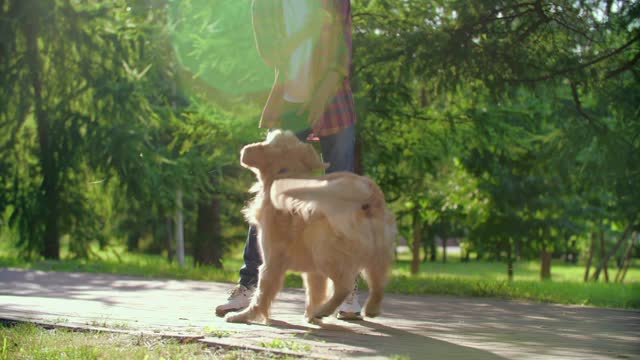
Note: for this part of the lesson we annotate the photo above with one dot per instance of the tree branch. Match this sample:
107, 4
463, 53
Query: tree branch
623, 68
587, 64
570, 28
593, 122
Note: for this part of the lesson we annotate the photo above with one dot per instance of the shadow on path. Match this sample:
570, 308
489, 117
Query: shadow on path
376, 339
416, 326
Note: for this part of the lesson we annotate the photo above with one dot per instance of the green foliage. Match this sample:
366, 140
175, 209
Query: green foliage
125, 139
547, 292
516, 92
213, 41
289, 345
91, 109
510, 125
5, 354
212, 331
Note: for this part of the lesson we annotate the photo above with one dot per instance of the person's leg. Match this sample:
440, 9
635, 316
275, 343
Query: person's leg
252, 260
241, 295
339, 151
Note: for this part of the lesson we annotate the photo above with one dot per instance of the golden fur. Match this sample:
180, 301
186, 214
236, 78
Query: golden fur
330, 227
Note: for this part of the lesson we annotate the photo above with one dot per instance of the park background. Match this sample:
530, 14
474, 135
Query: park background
510, 129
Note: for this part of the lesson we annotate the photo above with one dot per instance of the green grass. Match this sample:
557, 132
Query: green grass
523, 270
290, 345
212, 331
28, 341
474, 278
572, 293
152, 266
489, 279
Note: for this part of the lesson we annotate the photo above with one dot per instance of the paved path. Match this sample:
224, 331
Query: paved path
418, 327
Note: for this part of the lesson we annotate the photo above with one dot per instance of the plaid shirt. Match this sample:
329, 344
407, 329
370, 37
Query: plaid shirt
332, 52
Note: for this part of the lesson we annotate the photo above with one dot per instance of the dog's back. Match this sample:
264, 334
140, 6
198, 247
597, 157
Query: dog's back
348, 211
338, 225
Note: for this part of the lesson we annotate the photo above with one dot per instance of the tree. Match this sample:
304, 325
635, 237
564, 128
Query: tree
560, 53
74, 74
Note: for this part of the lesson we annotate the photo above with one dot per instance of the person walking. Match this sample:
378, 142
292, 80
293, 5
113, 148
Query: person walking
308, 43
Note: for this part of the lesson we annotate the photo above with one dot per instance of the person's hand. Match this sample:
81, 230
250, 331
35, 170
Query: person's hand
316, 106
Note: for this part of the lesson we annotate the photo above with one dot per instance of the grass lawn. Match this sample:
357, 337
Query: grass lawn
489, 279
27, 341
474, 278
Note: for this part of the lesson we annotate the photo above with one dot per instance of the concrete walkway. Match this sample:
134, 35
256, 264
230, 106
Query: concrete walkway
417, 327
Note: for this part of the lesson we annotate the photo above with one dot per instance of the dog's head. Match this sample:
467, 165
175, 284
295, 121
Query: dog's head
281, 155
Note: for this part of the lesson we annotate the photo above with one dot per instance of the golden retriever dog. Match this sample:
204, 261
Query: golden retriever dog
329, 227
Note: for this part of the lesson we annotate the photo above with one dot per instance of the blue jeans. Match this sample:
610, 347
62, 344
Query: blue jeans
339, 151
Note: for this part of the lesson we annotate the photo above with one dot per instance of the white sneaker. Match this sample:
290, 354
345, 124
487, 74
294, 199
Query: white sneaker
239, 299
350, 307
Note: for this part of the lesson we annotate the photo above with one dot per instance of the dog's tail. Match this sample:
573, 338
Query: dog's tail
329, 196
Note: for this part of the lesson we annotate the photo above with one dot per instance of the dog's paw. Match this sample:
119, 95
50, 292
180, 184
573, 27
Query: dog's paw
243, 317
248, 316
318, 315
372, 314
372, 311
313, 320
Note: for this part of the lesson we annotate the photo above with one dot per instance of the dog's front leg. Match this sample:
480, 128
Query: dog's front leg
316, 285
376, 274
269, 284
341, 289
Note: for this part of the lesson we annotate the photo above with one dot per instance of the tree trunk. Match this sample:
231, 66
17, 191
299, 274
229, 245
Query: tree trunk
545, 268
133, 240
417, 231
509, 262
433, 249
603, 255
169, 231
417, 238
545, 256
627, 260
444, 247
574, 253
467, 256
179, 229
427, 241
590, 258
603, 262
51, 249
567, 253
207, 249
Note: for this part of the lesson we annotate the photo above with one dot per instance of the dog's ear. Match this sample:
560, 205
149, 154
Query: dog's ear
311, 159
253, 156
